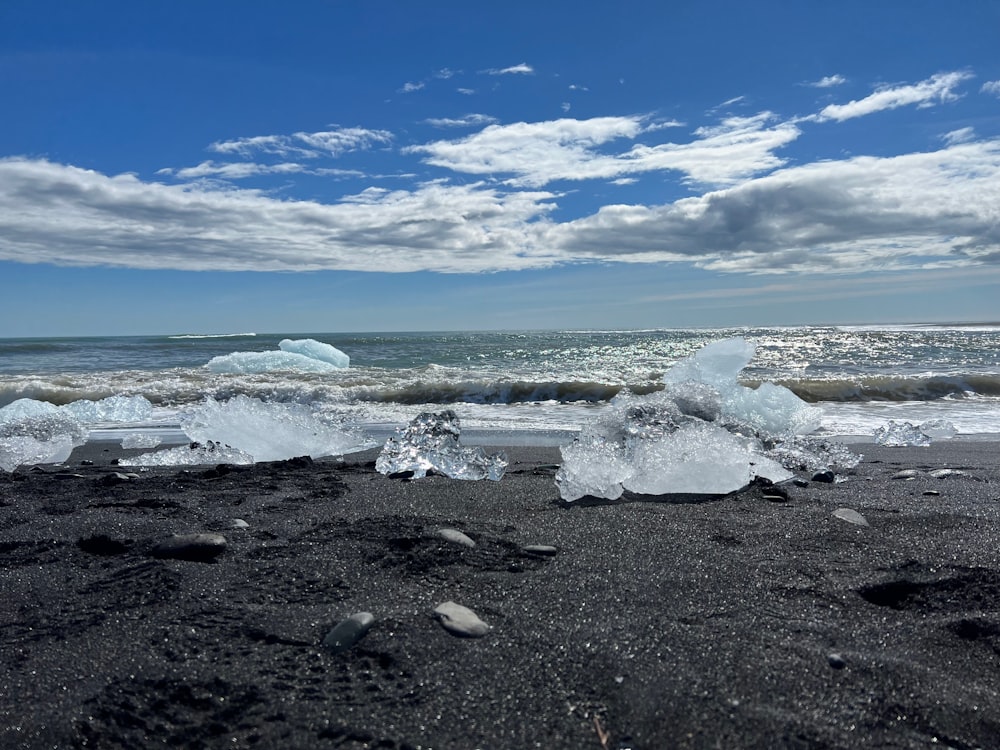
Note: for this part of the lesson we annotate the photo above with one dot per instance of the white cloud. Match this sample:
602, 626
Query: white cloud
444, 73
411, 86
937, 88
467, 92
933, 209
243, 170
470, 120
536, 154
565, 106
307, 145
962, 135
991, 87
520, 68
828, 82
574, 87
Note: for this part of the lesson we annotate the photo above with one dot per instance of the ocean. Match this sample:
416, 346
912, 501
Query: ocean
541, 386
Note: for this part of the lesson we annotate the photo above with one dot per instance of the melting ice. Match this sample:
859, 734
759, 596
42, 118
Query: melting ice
258, 430
430, 443
908, 434
304, 355
704, 433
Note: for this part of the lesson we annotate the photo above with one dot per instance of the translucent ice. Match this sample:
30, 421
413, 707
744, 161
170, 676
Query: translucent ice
195, 454
704, 433
268, 431
938, 429
431, 443
901, 434
304, 355
315, 350
111, 409
140, 440
34, 432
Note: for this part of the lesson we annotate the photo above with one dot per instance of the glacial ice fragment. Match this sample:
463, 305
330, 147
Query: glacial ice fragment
140, 440
430, 442
895, 433
705, 433
938, 429
316, 350
111, 409
35, 432
269, 431
195, 454
24, 450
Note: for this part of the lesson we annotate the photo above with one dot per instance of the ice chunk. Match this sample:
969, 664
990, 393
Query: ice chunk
243, 363
704, 433
431, 443
44, 426
140, 440
316, 350
26, 407
19, 450
901, 434
269, 431
111, 409
195, 454
938, 429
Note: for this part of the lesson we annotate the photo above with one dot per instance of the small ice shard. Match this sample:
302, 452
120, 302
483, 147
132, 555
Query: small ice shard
717, 364
430, 442
111, 409
195, 454
460, 621
268, 431
24, 450
901, 434
140, 440
592, 466
348, 632
316, 350
938, 429
851, 516
456, 537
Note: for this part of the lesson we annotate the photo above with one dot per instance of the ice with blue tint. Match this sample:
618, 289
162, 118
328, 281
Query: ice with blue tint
430, 442
35, 432
316, 350
303, 355
111, 409
704, 433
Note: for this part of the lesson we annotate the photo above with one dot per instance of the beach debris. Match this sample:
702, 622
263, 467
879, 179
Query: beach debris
200, 547
901, 434
460, 621
455, 536
140, 440
430, 442
704, 433
851, 516
304, 355
348, 632
540, 550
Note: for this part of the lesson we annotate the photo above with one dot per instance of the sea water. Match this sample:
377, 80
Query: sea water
521, 387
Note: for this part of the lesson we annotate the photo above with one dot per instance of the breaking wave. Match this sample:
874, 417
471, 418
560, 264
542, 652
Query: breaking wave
895, 388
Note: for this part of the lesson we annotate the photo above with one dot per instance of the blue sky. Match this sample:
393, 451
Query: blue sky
330, 166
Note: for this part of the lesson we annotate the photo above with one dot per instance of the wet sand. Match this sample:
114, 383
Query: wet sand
662, 622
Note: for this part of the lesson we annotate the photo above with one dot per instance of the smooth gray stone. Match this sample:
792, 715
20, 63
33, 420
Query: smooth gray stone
942, 473
906, 474
851, 516
194, 547
456, 536
836, 661
541, 550
460, 621
348, 632
239, 523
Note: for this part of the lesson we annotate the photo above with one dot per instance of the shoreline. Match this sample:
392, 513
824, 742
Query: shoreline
673, 621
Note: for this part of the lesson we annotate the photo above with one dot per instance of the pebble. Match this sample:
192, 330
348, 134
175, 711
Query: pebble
824, 476
194, 547
348, 632
456, 536
836, 661
460, 621
851, 516
931, 493
906, 474
799, 482
942, 473
239, 523
541, 550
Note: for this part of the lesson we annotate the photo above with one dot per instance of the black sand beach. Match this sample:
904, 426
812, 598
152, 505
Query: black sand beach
733, 622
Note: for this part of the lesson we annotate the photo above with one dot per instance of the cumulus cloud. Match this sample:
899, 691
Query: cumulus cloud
410, 86
536, 154
933, 209
828, 82
991, 87
939, 88
519, 69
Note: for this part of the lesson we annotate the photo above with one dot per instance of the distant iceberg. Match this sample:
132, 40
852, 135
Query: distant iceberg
304, 355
